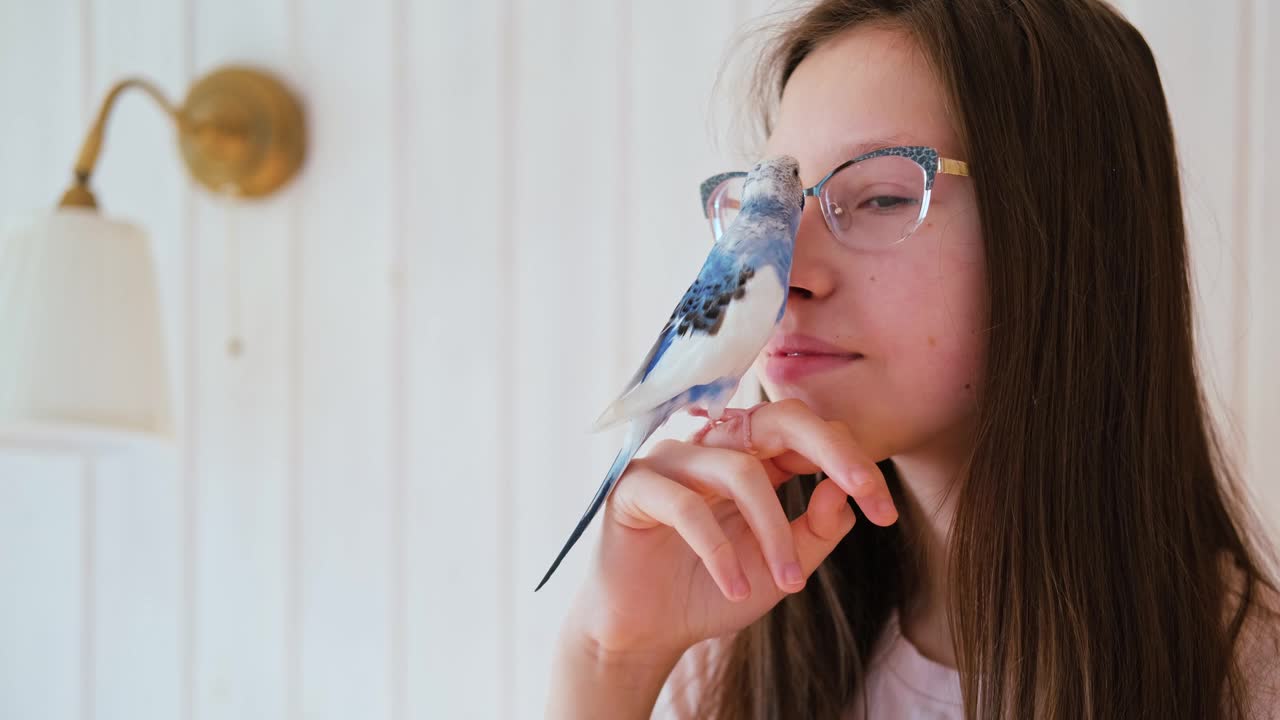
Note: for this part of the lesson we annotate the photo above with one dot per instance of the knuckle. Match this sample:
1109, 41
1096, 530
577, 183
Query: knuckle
723, 549
863, 479
775, 536
841, 428
687, 507
740, 465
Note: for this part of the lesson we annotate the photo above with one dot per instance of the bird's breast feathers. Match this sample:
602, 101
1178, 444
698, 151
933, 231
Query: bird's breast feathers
713, 334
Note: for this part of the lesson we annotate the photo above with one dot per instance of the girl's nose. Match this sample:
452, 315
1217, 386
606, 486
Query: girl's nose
812, 271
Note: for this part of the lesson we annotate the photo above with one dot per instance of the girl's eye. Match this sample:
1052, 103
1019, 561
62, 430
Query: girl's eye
887, 202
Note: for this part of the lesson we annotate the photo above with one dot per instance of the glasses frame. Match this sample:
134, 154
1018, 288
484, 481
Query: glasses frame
927, 158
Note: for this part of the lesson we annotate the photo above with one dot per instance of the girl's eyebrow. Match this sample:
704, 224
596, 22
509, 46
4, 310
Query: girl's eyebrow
853, 150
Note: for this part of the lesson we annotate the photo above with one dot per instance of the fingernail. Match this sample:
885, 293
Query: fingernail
792, 574
886, 510
741, 588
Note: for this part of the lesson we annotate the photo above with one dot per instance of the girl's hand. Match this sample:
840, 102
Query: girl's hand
695, 543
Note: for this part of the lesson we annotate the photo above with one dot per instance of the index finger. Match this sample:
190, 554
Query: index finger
788, 426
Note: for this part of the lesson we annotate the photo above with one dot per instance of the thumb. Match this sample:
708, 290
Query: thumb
823, 525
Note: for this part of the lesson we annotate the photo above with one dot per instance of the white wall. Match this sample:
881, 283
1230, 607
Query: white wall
364, 499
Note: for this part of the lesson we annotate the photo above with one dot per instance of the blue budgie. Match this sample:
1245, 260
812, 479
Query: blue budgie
719, 327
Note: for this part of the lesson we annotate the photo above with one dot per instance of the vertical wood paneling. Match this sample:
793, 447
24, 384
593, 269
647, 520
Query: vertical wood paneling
398, 367
345, 62
44, 117
136, 667
454, 207
508, 424
137, 568
294, 518
88, 590
42, 510
498, 211
1129, 8
241, 471
566, 313
1243, 154
40, 610
1263, 391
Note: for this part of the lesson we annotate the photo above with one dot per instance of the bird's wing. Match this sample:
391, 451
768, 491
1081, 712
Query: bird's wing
717, 329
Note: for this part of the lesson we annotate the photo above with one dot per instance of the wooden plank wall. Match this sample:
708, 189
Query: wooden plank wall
497, 209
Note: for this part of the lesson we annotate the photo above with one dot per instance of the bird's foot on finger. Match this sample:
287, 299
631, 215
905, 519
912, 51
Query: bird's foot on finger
730, 415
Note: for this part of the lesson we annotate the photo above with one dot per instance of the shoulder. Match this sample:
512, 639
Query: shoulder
1257, 648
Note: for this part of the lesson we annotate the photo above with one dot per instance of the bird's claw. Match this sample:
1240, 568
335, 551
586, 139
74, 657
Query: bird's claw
729, 415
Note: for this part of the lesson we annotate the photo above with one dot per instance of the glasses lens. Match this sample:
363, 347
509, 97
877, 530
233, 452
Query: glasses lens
723, 204
875, 203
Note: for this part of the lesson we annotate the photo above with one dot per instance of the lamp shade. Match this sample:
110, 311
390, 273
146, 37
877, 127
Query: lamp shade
81, 343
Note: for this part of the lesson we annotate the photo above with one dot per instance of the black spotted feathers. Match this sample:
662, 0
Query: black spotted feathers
704, 305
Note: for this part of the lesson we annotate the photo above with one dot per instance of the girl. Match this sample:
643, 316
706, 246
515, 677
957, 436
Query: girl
987, 362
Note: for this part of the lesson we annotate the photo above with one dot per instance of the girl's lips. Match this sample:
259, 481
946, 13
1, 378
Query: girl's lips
791, 357
797, 344
789, 367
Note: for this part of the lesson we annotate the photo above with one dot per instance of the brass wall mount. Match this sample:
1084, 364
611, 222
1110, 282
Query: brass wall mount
241, 132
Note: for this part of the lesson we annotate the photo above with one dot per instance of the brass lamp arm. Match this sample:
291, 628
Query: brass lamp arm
78, 195
240, 131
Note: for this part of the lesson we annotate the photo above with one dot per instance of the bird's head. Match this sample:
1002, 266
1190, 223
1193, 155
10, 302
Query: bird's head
776, 178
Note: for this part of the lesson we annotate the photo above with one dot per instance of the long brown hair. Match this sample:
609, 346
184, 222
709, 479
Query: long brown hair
1097, 513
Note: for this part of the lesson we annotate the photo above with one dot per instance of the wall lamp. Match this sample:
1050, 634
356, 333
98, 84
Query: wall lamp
82, 351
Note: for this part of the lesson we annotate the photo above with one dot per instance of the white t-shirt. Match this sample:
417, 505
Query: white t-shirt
903, 684
900, 683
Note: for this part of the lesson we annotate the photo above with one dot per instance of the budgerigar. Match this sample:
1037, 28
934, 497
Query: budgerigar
719, 327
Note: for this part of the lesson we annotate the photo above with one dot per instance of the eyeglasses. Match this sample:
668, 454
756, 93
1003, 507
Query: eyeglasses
870, 202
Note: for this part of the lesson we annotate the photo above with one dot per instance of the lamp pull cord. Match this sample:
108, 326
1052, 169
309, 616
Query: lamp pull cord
235, 337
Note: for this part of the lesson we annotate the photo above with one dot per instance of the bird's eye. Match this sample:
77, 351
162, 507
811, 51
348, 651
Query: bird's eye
796, 172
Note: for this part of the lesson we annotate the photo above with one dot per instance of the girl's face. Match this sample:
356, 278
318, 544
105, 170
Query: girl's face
915, 313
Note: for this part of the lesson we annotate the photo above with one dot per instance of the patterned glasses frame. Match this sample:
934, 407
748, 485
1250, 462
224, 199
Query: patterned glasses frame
928, 158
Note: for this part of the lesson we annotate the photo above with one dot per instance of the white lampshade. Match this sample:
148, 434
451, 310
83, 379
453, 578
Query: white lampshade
81, 343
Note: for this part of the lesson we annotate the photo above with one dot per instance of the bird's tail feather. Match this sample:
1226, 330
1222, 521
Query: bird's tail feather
640, 430
636, 401
610, 417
